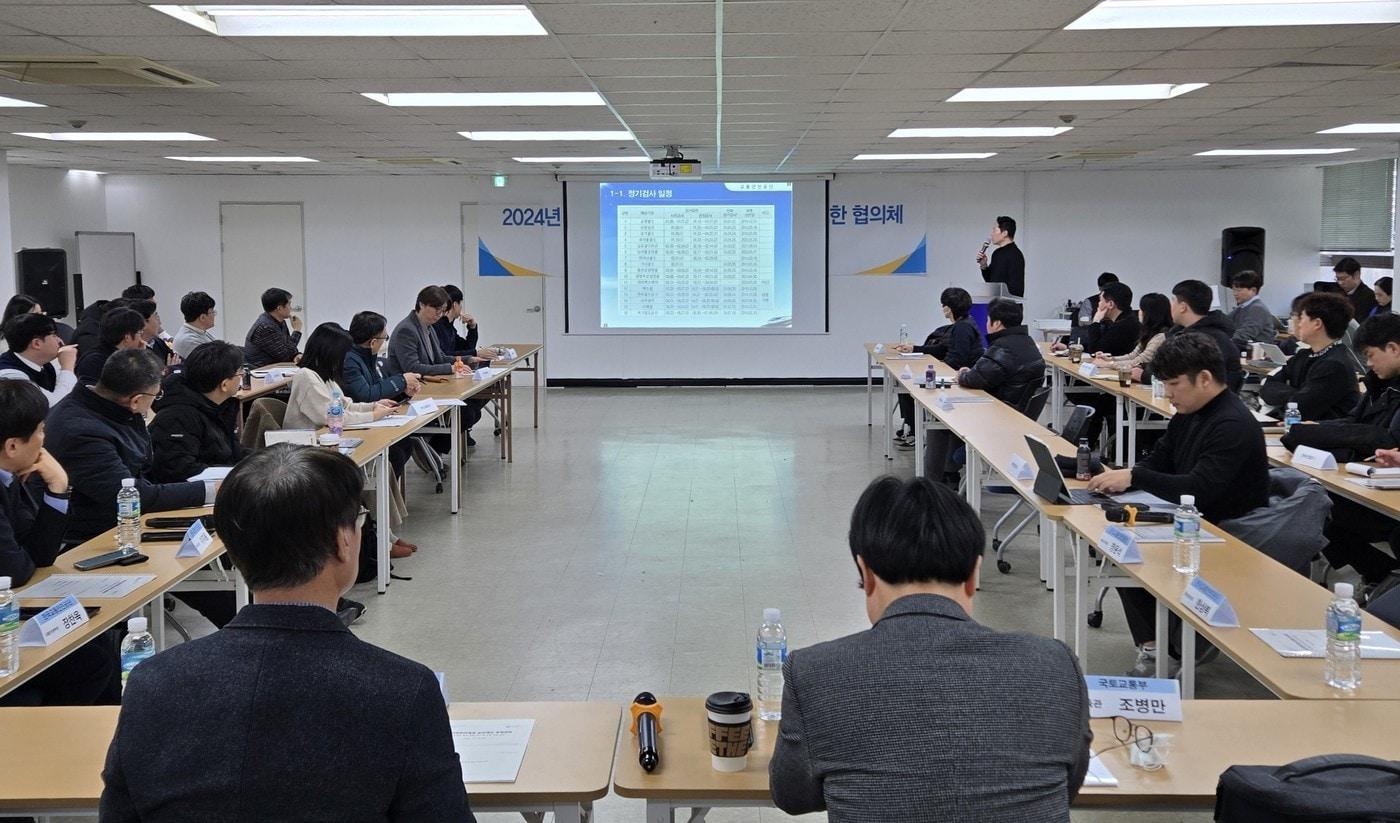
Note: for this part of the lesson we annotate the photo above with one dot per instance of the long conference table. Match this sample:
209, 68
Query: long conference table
1264, 593
578, 750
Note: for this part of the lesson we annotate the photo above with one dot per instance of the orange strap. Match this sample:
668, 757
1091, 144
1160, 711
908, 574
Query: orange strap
638, 710
1132, 515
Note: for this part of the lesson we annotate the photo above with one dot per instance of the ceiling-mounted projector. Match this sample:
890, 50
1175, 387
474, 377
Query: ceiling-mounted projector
674, 166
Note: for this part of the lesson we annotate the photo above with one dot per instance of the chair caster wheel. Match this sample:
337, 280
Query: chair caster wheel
1095, 619
439, 489
1004, 567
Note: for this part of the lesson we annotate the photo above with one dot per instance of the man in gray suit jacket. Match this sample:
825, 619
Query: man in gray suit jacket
284, 714
413, 345
928, 715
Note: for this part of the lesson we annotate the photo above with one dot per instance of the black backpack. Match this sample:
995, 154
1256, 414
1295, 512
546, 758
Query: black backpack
1335, 788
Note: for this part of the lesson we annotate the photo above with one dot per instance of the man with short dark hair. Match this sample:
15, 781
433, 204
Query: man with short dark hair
1319, 379
314, 723
1191, 311
120, 328
1007, 264
1212, 449
139, 291
33, 516
34, 345
99, 435
196, 424
923, 714
1114, 329
1373, 425
454, 344
1348, 274
197, 308
268, 340
413, 345
1254, 323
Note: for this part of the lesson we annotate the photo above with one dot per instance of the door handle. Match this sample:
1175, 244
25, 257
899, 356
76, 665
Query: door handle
532, 309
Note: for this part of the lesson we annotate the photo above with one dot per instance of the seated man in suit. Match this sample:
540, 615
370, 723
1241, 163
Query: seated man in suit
1212, 449
33, 515
1374, 424
313, 723
268, 340
455, 345
120, 328
37, 354
414, 346
1320, 378
1362, 297
929, 714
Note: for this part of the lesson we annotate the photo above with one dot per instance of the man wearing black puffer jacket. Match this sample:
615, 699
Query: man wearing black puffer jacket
1374, 424
196, 423
1011, 369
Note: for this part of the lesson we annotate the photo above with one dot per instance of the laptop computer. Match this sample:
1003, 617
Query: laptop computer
1050, 484
1272, 355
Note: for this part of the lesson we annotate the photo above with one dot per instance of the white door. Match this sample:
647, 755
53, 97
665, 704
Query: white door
507, 309
261, 247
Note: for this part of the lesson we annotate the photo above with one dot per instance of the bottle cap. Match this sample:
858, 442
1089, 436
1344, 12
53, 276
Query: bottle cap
772, 616
4, 582
136, 625
1344, 590
128, 482
1188, 500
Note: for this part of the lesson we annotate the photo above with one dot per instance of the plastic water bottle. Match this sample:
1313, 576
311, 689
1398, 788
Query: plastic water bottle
772, 651
137, 646
1343, 667
1291, 415
1083, 461
929, 376
9, 630
1186, 529
903, 334
128, 515
335, 412
1159, 389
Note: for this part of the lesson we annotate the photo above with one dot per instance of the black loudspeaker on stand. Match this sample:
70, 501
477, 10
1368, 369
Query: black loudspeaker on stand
43, 275
1241, 249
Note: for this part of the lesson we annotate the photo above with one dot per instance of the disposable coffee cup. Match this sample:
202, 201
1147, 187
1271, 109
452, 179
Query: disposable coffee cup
1076, 353
328, 439
1125, 377
729, 718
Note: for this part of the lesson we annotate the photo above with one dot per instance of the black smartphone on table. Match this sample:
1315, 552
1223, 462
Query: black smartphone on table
120, 557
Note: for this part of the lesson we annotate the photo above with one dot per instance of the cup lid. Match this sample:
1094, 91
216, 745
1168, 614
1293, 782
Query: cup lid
729, 703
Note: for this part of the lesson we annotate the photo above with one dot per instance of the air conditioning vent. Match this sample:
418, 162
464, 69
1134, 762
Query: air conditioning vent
416, 162
1094, 154
128, 72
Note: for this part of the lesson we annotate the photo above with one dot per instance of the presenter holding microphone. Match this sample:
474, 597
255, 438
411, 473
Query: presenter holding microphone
1006, 263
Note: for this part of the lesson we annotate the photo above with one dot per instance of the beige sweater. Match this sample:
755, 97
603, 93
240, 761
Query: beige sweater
1142, 355
306, 408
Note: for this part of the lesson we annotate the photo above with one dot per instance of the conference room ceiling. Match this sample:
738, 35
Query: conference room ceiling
807, 85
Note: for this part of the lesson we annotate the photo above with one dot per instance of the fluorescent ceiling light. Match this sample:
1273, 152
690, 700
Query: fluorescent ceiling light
12, 103
608, 159
503, 136
1146, 91
488, 98
982, 155
1365, 128
85, 171
231, 159
357, 21
112, 136
1266, 152
1165, 14
995, 131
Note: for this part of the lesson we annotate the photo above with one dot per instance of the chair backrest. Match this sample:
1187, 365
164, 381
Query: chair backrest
1077, 423
1034, 403
264, 415
1386, 606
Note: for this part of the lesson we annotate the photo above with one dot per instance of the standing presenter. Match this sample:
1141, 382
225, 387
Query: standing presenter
1006, 263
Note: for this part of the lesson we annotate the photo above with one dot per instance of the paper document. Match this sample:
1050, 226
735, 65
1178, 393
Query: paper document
968, 398
1141, 498
393, 421
491, 750
486, 373
1164, 534
84, 586
212, 473
1098, 774
1368, 470
1376, 482
1313, 643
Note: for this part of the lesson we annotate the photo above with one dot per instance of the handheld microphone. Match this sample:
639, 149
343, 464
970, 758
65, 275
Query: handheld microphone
646, 723
986, 244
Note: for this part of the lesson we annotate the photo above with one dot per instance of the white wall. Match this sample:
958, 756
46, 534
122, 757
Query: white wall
373, 242
46, 207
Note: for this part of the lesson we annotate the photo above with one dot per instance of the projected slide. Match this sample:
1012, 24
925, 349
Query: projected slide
695, 255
